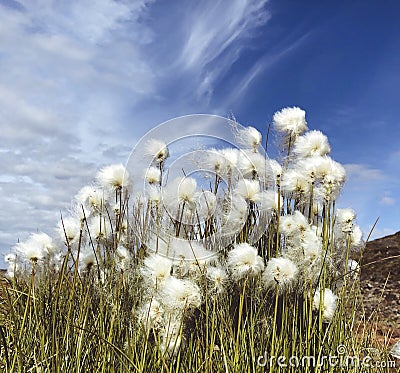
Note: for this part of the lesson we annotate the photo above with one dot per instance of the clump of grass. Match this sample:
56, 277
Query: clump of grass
253, 274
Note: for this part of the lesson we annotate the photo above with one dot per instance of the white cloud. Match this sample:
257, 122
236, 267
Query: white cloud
363, 172
389, 201
84, 80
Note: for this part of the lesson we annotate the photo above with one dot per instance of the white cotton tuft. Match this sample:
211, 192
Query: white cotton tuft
69, 228
295, 181
270, 201
214, 161
153, 175
290, 121
248, 189
87, 259
113, 177
345, 219
180, 294
217, 278
254, 165
249, 137
157, 269
235, 215
280, 273
276, 168
92, 197
293, 225
206, 204
243, 260
36, 247
158, 150
150, 315
326, 302
100, 228
310, 144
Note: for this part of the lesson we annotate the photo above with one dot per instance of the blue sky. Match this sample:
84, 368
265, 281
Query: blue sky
82, 81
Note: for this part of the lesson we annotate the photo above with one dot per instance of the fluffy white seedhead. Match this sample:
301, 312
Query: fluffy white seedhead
235, 214
249, 137
154, 195
290, 121
156, 269
214, 161
87, 259
276, 168
280, 273
293, 225
206, 204
92, 198
113, 177
248, 189
270, 201
122, 258
243, 260
36, 247
187, 190
311, 245
353, 267
295, 181
100, 228
310, 144
153, 175
231, 157
345, 219
180, 190
218, 279
30, 252
324, 169
69, 229
10, 258
326, 302
151, 314
191, 252
180, 294
158, 150
254, 165
356, 238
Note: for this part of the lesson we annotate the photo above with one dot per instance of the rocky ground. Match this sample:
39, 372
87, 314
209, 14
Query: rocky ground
380, 283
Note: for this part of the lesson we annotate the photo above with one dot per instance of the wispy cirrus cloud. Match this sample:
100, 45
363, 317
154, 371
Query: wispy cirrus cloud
84, 80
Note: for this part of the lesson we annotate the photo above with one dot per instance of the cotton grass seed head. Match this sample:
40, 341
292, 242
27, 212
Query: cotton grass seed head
280, 273
243, 260
113, 177
157, 269
310, 144
290, 120
153, 175
248, 189
249, 137
345, 219
218, 278
151, 314
158, 150
180, 294
326, 302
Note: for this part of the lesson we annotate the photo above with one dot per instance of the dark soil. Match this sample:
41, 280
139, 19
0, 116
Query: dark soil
380, 283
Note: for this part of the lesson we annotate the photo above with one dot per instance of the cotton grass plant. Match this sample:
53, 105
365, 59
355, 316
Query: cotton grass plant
180, 278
